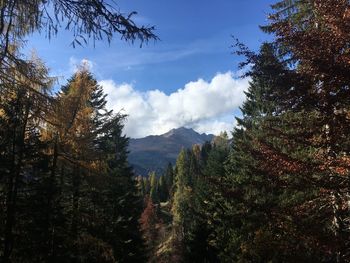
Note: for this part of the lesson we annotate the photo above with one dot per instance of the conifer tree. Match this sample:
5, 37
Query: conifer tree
187, 224
206, 201
154, 187
181, 203
121, 203
318, 43
169, 179
163, 189
21, 108
78, 199
294, 146
252, 193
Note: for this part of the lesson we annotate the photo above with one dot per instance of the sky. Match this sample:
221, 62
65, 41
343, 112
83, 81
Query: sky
188, 78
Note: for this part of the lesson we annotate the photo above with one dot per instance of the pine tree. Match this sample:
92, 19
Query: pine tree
169, 179
88, 197
199, 240
251, 191
188, 224
181, 203
163, 189
154, 187
320, 48
118, 198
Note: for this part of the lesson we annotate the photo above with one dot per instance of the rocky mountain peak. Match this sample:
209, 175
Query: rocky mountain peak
153, 153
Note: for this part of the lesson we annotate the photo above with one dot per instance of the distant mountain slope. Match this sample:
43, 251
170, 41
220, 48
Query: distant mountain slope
153, 153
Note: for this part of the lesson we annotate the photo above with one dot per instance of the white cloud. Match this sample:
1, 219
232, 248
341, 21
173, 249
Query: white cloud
205, 106
215, 126
75, 64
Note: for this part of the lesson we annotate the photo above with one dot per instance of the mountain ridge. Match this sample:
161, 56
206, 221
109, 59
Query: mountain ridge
154, 152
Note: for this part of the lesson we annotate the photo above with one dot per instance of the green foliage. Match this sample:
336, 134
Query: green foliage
169, 179
154, 190
182, 192
207, 206
162, 189
255, 187
193, 189
69, 187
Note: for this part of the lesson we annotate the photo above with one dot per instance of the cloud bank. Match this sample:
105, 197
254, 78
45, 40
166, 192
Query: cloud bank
206, 106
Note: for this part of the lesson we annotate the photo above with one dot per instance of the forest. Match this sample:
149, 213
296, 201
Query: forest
277, 191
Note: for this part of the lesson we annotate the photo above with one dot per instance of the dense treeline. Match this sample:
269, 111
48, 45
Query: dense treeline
158, 187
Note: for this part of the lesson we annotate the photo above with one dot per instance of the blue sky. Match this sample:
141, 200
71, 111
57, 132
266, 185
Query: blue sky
195, 39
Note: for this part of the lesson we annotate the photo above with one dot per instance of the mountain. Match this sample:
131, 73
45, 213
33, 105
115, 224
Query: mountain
153, 153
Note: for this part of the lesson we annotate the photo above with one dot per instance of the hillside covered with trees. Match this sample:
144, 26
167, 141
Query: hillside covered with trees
277, 191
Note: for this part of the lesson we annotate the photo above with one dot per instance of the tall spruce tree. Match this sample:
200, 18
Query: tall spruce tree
207, 203
163, 189
122, 204
154, 187
320, 48
169, 179
181, 203
253, 209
